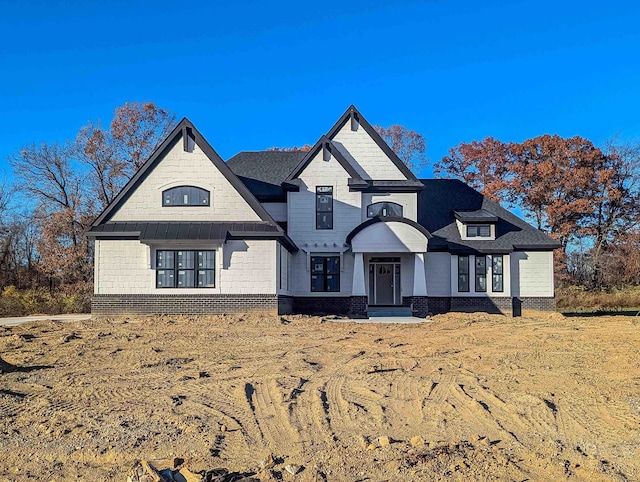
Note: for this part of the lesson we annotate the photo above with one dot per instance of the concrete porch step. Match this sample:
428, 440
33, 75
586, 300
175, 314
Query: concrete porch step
376, 311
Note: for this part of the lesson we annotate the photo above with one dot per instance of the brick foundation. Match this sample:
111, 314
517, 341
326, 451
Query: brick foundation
359, 306
312, 305
355, 306
482, 303
439, 304
419, 305
176, 304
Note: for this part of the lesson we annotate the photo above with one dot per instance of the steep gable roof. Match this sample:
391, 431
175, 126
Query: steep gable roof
353, 113
184, 128
324, 143
438, 203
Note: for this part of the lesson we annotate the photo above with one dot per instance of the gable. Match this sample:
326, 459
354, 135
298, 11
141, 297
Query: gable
192, 162
369, 160
365, 149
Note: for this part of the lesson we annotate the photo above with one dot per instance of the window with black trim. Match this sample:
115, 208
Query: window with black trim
463, 273
186, 196
384, 209
498, 277
481, 274
478, 231
325, 273
324, 207
185, 268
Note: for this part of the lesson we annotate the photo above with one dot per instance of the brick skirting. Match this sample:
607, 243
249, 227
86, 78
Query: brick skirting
482, 303
316, 305
176, 304
356, 306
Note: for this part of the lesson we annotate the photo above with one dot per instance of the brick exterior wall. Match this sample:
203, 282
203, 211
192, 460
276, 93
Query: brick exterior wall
486, 304
176, 304
439, 304
355, 306
539, 303
358, 307
309, 305
285, 305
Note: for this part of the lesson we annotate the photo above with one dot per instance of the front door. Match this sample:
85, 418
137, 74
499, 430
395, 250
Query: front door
384, 282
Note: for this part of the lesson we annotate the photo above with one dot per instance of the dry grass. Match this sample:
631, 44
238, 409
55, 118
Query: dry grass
577, 298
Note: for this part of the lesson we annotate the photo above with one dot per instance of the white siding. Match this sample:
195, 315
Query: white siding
123, 267
438, 272
408, 201
185, 168
242, 267
278, 211
249, 267
532, 273
370, 161
302, 206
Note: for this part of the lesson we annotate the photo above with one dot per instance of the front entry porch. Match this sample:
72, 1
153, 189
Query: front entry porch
388, 269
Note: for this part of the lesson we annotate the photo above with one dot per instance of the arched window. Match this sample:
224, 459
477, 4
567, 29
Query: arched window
185, 196
384, 209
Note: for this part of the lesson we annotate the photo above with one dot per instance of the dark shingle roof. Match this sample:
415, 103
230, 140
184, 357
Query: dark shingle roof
441, 197
190, 231
264, 171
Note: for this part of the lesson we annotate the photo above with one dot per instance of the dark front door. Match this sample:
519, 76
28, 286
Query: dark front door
384, 283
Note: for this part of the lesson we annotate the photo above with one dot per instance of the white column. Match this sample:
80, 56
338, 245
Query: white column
419, 275
359, 288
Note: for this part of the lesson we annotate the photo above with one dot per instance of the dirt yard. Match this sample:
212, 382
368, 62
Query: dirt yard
540, 397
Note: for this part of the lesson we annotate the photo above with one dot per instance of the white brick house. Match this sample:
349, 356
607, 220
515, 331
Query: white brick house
344, 228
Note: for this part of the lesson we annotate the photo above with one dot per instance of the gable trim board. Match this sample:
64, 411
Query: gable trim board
258, 266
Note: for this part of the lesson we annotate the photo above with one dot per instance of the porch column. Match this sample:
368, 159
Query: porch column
358, 288
419, 275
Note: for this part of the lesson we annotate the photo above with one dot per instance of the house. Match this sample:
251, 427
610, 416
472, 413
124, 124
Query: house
345, 228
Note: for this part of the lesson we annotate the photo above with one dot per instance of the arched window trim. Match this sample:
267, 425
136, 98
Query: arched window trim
190, 203
400, 206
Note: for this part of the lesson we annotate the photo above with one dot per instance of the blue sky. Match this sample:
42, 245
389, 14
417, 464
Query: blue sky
253, 75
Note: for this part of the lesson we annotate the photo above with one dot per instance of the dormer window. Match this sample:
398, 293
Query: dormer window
384, 209
478, 231
186, 196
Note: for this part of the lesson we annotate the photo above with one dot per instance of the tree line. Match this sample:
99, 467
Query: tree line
586, 197
56, 192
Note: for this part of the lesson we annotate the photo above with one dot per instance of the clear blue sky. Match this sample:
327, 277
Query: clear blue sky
253, 75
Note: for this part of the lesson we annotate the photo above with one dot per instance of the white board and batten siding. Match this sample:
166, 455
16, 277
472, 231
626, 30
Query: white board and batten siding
532, 273
181, 168
438, 274
242, 266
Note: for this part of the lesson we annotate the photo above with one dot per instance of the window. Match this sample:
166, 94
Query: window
185, 196
325, 273
481, 273
384, 209
185, 269
478, 231
324, 207
463, 273
498, 285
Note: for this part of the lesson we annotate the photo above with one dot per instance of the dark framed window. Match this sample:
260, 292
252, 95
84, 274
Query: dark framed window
478, 231
324, 207
186, 196
481, 274
185, 268
384, 209
463, 273
497, 274
325, 273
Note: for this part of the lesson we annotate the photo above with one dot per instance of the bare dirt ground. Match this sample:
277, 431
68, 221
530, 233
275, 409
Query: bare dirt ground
540, 397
